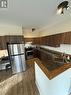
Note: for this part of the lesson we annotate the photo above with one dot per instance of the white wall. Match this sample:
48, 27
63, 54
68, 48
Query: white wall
27, 32
3, 53
55, 28
10, 29
57, 86
61, 27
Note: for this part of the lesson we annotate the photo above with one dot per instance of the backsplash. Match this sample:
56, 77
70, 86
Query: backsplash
64, 48
3, 53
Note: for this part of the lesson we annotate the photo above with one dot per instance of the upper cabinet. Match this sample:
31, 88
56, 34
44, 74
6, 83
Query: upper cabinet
28, 40
16, 39
10, 39
56, 40
1, 42
36, 41
52, 40
66, 38
43, 40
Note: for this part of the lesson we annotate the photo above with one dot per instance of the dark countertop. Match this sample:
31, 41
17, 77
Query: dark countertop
50, 62
52, 73
4, 60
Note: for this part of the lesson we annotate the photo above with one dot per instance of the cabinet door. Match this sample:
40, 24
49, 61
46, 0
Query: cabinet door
67, 38
19, 39
37, 53
28, 40
54, 40
2, 43
36, 40
14, 39
57, 40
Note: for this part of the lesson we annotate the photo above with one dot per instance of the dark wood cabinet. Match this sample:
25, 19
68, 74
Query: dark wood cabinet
37, 53
43, 40
36, 40
28, 40
52, 40
10, 39
15, 39
2, 43
56, 40
33, 40
66, 38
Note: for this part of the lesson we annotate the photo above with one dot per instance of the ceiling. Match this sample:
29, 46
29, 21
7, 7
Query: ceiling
33, 13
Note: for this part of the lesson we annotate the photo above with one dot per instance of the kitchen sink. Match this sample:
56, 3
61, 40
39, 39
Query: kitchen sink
51, 65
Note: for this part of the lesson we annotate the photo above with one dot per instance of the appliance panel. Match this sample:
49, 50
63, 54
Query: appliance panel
23, 62
17, 57
15, 49
22, 48
17, 65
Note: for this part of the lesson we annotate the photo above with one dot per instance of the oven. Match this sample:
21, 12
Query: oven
29, 52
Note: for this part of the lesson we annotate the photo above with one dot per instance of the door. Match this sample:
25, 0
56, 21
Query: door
15, 49
18, 63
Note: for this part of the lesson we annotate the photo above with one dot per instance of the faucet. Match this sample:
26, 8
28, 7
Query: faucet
65, 58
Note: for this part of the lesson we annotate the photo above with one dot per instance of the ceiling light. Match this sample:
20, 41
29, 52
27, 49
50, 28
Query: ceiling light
33, 29
62, 6
3, 3
59, 11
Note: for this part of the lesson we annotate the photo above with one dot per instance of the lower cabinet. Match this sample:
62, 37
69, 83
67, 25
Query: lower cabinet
37, 53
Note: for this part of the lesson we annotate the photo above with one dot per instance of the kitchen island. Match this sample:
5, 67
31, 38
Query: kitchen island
53, 73
55, 82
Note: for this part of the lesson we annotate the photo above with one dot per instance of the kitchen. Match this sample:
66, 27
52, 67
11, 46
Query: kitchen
35, 48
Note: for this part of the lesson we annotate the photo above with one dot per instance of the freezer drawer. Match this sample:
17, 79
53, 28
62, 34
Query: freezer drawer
18, 63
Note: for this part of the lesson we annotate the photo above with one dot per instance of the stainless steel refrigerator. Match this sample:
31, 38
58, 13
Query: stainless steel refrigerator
17, 57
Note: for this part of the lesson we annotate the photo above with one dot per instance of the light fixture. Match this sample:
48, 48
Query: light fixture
62, 6
33, 29
3, 3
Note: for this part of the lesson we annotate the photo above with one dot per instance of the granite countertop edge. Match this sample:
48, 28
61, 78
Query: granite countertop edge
52, 74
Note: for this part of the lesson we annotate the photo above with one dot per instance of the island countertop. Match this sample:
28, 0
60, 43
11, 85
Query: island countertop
53, 73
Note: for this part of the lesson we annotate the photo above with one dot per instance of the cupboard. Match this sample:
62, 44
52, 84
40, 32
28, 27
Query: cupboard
10, 39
